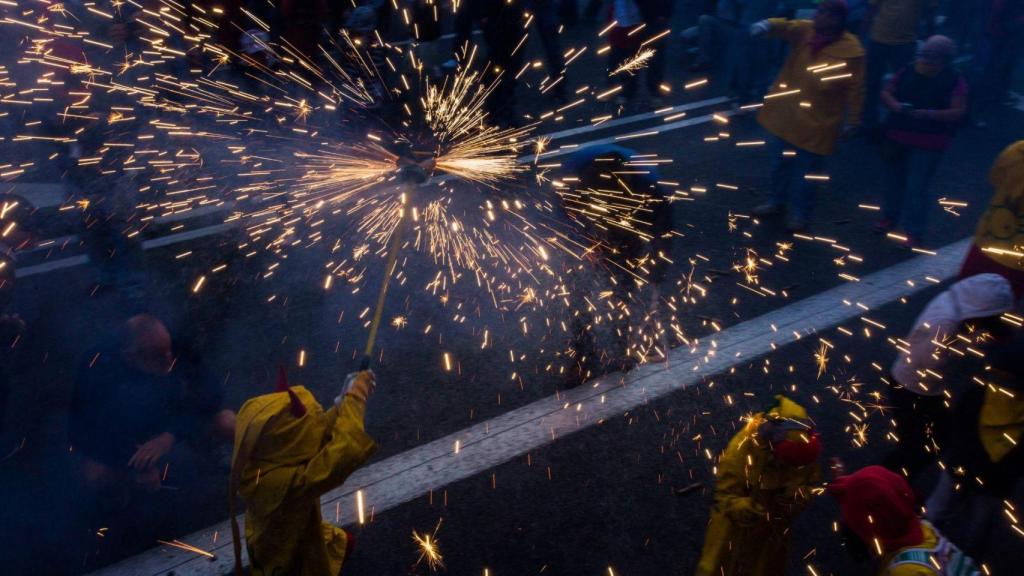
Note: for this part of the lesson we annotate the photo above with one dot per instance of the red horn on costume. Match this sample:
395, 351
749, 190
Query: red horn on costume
297, 407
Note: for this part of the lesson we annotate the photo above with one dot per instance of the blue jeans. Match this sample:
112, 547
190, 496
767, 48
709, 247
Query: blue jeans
789, 187
908, 171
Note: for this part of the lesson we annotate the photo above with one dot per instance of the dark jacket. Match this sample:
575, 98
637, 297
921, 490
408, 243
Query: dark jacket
967, 451
653, 10
115, 407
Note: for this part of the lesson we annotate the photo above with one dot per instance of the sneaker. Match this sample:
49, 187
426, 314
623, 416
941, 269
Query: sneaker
767, 209
796, 224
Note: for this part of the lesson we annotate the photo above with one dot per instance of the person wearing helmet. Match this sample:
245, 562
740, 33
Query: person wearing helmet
765, 478
879, 508
918, 395
289, 451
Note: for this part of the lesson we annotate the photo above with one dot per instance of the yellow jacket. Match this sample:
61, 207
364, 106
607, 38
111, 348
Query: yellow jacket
756, 499
1000, 233
830, 83
281, 466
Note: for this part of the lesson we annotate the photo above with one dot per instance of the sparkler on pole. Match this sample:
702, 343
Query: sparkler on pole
411, 174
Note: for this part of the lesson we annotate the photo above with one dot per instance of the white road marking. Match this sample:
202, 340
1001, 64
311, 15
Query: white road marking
406, 476
637, 118
569, 149
146, 245
170, 239
41, 195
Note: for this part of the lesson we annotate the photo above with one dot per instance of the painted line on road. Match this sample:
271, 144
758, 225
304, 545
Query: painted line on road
146, 245
636, 118
409, 475
170, 239
628, 136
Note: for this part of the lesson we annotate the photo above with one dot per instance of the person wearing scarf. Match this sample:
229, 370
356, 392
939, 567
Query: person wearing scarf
819, 87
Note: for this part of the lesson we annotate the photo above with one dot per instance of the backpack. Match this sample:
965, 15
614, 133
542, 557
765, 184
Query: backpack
945, 559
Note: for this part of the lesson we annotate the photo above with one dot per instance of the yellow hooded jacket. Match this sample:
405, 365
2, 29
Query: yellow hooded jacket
281, 466
815, 90
756, 499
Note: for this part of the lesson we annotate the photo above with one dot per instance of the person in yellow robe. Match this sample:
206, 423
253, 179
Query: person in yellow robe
765, 478
289, 451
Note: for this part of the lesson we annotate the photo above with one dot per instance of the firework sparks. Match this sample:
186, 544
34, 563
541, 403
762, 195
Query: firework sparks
635, 63
428, 546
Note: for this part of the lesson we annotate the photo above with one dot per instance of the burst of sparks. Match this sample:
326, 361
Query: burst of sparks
635, 63
428, 546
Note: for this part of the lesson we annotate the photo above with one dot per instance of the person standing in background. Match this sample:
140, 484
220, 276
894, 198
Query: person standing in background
819, 87
892, 42
926, 102
1001, 49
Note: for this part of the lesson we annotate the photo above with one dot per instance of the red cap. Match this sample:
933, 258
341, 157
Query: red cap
297, 407
878, 503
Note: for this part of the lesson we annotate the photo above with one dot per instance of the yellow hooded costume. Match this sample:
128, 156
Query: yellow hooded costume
756, 498
999, 231
288, 452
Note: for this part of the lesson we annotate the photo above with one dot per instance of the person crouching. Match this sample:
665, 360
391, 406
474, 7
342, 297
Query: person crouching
765, 478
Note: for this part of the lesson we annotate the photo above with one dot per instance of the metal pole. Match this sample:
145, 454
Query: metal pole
412, 175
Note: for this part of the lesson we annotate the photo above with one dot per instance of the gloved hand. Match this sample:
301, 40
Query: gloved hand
357, 384
745, 512
758, 28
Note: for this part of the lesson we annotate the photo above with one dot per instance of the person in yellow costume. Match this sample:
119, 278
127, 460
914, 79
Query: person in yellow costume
999, 239
289, 451
765, 478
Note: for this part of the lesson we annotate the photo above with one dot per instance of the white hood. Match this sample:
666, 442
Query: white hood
980, 296
973, 297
